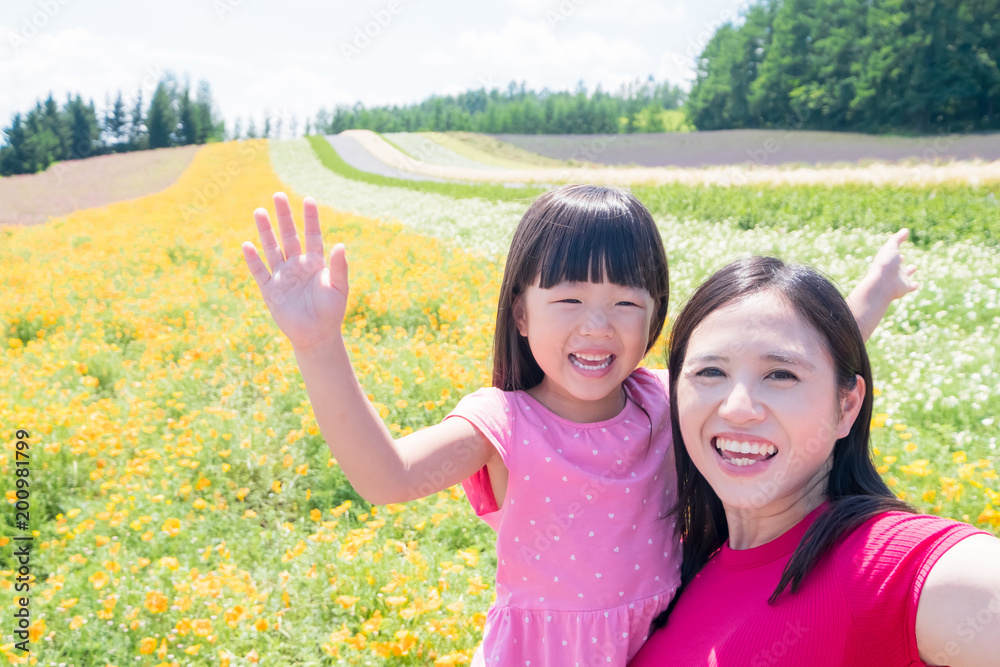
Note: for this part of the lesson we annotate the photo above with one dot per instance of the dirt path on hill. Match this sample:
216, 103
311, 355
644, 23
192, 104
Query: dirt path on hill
31, 199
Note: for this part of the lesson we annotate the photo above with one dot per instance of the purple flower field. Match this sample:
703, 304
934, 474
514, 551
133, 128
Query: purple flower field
759, 147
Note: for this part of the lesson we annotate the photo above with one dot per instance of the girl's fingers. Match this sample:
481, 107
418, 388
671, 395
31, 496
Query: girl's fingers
314, 237
272, 251
256, 266
338, 268
286, 226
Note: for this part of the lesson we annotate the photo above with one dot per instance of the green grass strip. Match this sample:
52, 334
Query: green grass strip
948, 213
332, 161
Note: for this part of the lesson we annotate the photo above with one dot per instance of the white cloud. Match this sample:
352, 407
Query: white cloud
531, 50
676, 68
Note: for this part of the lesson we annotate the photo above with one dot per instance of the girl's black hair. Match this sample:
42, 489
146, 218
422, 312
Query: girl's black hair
584, 233
854, 488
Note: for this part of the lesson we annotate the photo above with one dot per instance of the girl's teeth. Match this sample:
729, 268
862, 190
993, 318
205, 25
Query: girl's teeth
575, 358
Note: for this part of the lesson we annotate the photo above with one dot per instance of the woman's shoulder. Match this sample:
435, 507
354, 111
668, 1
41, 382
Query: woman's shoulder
890, 540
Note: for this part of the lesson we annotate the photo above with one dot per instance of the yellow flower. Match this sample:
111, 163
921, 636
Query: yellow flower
156, 602
918, 468
476, 585
98, 579
147, 645
169, 562
202, 627
346, 601
171, 527
77, 622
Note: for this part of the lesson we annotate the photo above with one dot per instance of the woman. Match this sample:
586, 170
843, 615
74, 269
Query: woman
795, 550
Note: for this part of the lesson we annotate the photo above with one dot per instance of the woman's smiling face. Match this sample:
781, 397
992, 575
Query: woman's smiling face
759, 407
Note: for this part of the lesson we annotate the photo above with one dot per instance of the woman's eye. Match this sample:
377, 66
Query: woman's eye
710, 373
783, 375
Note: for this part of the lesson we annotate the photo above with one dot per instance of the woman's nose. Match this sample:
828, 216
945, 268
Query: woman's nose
739, 405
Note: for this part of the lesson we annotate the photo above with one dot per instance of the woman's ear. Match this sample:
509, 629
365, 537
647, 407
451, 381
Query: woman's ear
850, 406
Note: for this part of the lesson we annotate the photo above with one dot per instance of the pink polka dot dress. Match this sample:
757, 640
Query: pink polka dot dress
586, 552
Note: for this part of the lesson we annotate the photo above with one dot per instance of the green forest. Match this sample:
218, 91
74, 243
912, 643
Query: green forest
877, 66
636, 107
50, 133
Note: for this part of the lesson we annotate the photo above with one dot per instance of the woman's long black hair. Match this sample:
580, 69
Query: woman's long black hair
854, 488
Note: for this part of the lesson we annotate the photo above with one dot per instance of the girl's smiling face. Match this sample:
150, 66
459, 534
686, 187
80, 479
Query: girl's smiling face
759, 407
587, 338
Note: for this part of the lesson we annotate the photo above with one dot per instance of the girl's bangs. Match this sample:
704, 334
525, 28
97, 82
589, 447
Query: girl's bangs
600, 249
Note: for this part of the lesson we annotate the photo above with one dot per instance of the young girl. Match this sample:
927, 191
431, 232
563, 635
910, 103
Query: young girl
568, 456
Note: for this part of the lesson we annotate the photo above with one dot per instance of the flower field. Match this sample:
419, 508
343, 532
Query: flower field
184, 506
752, 171
417, 145
67, 186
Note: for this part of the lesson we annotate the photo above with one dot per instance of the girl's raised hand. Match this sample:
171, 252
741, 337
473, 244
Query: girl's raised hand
306, 298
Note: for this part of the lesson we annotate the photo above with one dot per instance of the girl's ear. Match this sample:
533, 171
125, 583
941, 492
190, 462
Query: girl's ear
520, 318
850, 406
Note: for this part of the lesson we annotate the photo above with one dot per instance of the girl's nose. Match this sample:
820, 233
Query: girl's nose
595, 323
739, 405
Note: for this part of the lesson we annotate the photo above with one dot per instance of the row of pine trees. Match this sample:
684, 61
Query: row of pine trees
49, 133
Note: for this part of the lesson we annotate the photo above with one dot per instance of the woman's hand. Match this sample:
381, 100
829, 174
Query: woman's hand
887, 280
306, 298
893, 278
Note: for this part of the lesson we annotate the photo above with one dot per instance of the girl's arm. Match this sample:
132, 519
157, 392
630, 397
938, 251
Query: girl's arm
958, 616
887, 280
308, 299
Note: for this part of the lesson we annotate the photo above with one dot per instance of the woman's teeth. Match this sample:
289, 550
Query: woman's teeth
596, 362
736, 447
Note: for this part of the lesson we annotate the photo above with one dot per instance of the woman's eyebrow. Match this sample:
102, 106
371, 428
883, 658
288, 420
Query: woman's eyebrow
770, 357
785, 358
705, 358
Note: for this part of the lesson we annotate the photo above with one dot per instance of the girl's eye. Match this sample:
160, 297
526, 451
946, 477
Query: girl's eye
569, 301
627, 303
782, 375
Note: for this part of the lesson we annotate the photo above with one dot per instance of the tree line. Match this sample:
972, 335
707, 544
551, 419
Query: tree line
860, 65
636, 107
48, 133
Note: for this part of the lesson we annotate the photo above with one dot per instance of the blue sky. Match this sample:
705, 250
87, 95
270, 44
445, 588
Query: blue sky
298, 55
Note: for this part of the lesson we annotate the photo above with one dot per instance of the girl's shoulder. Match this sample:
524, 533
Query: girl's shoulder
651, 382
